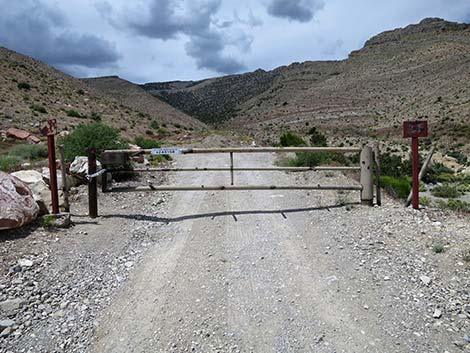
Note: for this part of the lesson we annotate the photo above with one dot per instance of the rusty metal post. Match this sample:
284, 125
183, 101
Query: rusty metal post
92, 187
231, 168
53, 173
65, 186
367, 181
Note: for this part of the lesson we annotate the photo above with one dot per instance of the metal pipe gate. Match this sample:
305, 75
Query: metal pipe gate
113, 158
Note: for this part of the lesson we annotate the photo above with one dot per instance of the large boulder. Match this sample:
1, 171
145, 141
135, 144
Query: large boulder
79, 168
39, 188
17, 204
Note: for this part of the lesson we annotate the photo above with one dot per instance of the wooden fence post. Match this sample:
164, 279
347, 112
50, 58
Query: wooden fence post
92, 185
367, 181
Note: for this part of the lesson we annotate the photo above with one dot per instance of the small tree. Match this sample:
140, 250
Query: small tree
93, 135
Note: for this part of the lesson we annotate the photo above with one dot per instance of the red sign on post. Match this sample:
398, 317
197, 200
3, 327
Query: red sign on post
418, 128
415, 129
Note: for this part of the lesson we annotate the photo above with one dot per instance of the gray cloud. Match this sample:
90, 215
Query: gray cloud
169, 19
295, 10
38, 30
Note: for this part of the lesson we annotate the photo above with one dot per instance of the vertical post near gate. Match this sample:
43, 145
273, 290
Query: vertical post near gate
92, 185
65, 186
415, 129
231, 168
367, 180
50, 131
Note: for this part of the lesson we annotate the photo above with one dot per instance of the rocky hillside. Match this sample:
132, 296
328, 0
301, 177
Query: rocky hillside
213, 100
131, 95
422, 70
32, 92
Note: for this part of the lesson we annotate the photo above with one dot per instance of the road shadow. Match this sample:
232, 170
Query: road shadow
233, 214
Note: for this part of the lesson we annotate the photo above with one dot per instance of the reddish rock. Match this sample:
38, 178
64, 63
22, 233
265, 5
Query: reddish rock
17, 133
17, 204
22, 135
33, 139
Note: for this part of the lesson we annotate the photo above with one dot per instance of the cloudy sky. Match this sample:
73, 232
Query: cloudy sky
163, 40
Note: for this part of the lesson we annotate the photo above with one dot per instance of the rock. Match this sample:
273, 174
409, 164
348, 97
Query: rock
62, 220
41, 192
9, 307
17, 204
425, 279
6, 323
28, 176
466, 338
437, 314
25, 263
5, 332
79, 168
17, 134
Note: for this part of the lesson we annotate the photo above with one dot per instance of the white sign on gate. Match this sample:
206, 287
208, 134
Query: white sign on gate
165, 151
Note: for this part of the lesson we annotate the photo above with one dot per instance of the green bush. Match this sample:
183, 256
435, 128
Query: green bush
73, 114
317, 138
38, 108
96, 116
438, 172
146, 143
92, 135
28, 152
394, 166
9, 164
397, 187
24, 85
454, 205
159, 158
309, 159
446, 191
155, 125
290, 139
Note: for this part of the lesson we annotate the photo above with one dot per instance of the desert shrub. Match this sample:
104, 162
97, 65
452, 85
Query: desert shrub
459, 156
394, 166
437, 172
155, 125
81, 92
73, 114
309, 159
178, 126
92, 135
146, 143
291, 139
159, 158
38, 108
446, 191
28, 152
96, 116
24, 86
397, 187
425, 201
162, 130
9, 163
317, 138
454, 205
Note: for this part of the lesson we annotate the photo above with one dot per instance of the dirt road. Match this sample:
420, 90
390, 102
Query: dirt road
288, 271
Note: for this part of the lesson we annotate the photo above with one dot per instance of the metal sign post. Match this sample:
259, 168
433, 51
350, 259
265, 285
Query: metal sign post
50, 131
415, 129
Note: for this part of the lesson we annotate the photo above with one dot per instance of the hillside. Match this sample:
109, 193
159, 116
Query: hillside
131, 95
422, 70
212, 100
32, 92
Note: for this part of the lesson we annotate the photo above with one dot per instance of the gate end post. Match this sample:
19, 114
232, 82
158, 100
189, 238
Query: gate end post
367, 180
92, 185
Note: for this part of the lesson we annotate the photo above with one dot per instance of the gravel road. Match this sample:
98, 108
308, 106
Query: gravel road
288, 271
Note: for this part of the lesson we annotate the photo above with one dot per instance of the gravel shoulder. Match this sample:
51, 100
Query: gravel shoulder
267, 271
